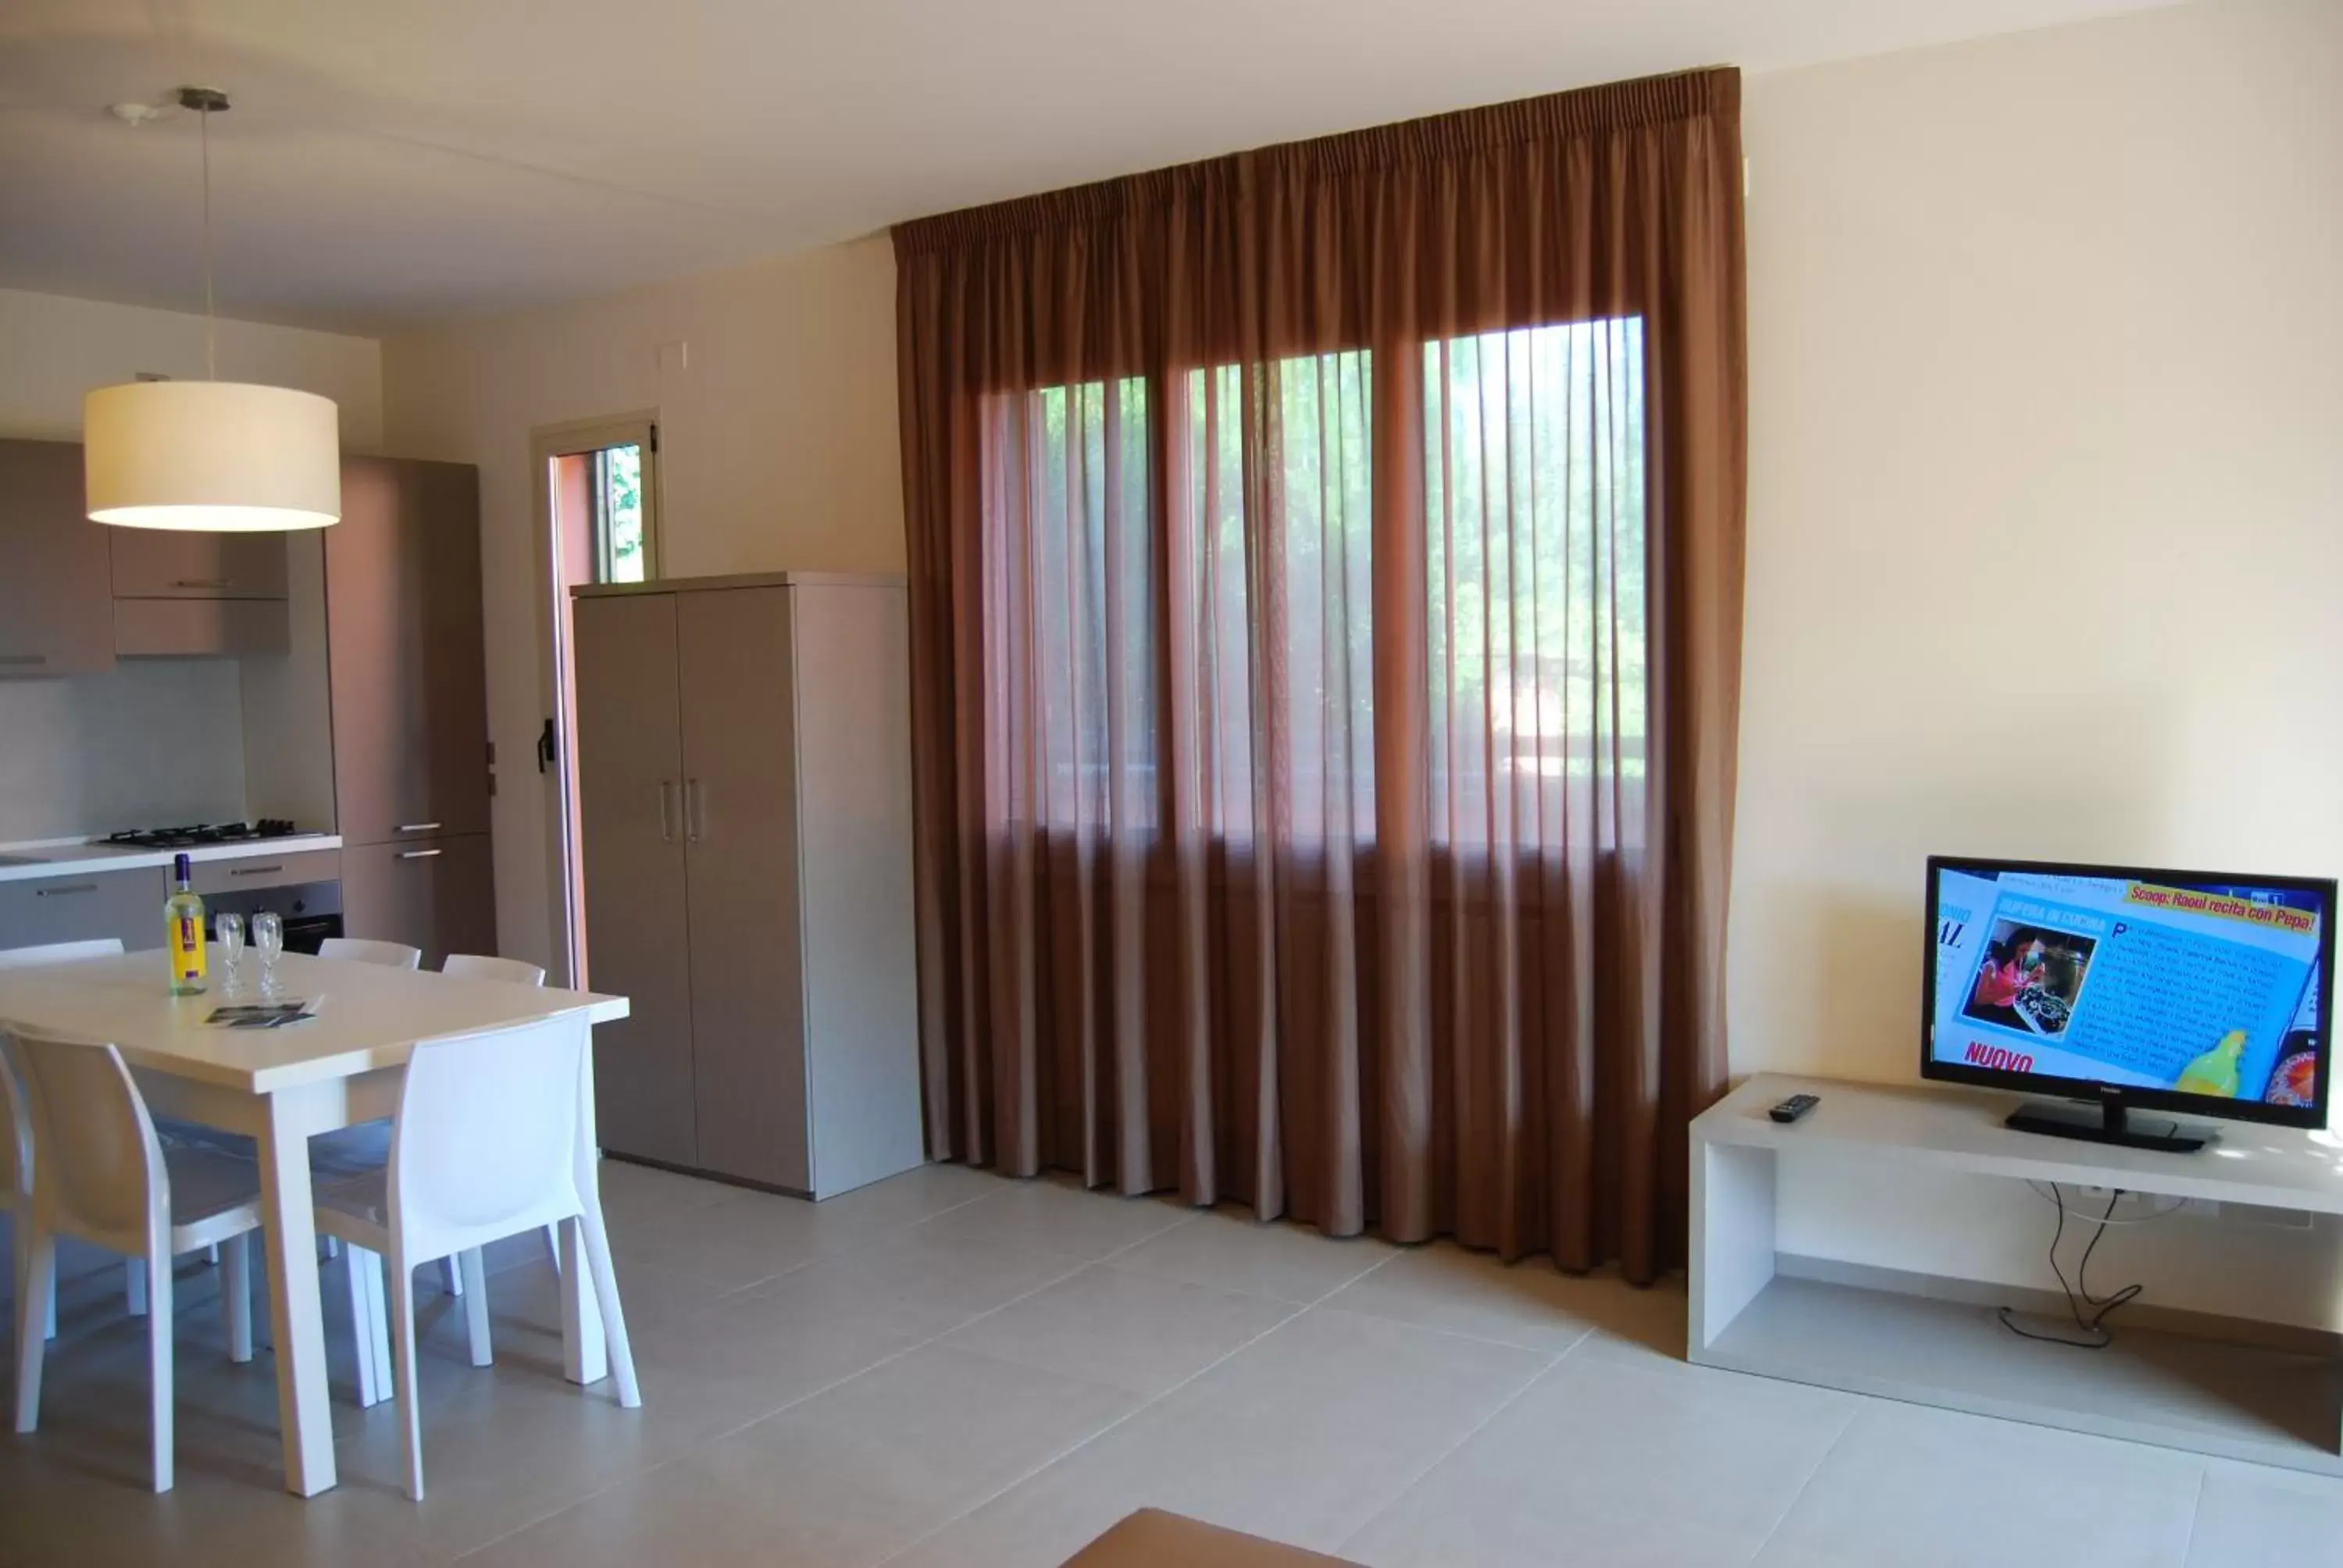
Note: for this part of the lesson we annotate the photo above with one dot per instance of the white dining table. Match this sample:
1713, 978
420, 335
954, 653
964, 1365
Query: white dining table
283, 1086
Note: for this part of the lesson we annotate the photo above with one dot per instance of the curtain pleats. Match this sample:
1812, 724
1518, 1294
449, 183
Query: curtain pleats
1326, 576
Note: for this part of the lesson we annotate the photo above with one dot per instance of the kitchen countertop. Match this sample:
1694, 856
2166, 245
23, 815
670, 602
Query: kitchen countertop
68, 857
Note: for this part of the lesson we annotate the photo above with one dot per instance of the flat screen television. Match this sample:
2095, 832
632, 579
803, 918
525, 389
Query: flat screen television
2129, 987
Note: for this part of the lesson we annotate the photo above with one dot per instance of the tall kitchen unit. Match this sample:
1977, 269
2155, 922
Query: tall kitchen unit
408, 675
745, 818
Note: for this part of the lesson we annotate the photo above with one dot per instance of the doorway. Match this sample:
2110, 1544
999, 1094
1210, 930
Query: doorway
598, 512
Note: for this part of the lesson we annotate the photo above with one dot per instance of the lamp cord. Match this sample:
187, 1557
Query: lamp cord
211, 322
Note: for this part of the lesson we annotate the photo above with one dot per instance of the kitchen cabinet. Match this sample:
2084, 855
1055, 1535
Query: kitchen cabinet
406, 651
744, 784
216, 629
56, 592
408, 681
81, 906
436, 894
169, 563
265, 870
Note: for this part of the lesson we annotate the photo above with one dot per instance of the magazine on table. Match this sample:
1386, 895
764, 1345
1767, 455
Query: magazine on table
265, 1014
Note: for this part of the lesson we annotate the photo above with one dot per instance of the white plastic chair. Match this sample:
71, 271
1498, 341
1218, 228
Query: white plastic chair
358, 1148
473, 966
513, 972
16, 1157
104, 1177
490, 1140
364, 950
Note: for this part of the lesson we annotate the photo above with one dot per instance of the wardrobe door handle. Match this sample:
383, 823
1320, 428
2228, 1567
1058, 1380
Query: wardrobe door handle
694, 811
667, 820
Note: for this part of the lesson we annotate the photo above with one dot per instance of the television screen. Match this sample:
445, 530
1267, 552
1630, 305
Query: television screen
2182, 989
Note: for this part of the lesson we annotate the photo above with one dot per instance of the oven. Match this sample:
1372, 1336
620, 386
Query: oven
311, 911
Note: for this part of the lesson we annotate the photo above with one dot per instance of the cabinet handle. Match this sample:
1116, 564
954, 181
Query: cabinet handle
417, 828
695, 811
24, 658
667, 823
254, 871
199, 582
60, 892
419, 854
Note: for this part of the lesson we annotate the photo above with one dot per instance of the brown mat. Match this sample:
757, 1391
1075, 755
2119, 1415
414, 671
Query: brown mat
1151, 1538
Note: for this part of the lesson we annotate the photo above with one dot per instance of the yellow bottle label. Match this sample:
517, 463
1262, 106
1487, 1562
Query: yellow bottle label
187, 943
2216, 1071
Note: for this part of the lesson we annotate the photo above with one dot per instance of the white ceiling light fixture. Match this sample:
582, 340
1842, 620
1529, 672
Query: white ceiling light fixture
219, 457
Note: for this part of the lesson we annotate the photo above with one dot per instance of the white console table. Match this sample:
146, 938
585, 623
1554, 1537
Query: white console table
2270, 1405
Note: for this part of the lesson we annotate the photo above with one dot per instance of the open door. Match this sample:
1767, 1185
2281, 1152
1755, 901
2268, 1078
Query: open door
596, 506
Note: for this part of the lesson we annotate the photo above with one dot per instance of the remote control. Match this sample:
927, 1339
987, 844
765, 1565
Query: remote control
1797, 1105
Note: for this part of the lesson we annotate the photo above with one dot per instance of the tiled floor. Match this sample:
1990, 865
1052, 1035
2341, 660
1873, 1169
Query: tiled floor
953, 1371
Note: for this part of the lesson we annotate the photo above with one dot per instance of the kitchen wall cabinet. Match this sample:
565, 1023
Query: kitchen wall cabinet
198, 628
436, 894
82, 906
55, 589
744, 784
165, 563
407, 678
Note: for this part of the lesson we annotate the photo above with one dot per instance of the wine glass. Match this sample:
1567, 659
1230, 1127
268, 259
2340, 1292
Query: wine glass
227, 930
268, 941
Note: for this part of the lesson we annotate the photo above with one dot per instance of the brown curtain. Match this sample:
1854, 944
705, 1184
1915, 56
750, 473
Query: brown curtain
1326, 595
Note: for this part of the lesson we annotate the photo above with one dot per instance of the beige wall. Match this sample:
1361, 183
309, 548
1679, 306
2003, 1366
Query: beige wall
83, 755
778, 449
53, 350
2046, 532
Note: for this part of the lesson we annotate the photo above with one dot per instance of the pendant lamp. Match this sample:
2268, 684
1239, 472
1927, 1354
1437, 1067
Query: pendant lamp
221, 457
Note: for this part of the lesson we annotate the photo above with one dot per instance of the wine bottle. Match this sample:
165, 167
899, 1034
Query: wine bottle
183, 914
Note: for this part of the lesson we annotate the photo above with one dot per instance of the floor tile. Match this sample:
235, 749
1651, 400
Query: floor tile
637, 1192
1629, 1458
1530, 1303
915, 1195
1229, 1250
2248, 1515
1128, 1331
56, 1514
847, 1478
922, 1278
1300, 1437
1052, 1212
1930, 1488
738, 1239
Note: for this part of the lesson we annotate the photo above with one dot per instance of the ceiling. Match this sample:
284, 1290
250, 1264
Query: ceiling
390, 162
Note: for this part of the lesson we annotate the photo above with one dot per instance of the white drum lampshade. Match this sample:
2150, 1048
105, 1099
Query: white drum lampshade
221, 457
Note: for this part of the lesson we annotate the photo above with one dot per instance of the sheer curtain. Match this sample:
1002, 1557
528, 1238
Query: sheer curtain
1326, 579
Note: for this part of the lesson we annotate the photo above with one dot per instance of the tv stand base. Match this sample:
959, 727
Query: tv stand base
2113, 1124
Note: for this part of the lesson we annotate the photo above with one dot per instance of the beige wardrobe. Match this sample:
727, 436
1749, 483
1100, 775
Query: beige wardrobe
745, 817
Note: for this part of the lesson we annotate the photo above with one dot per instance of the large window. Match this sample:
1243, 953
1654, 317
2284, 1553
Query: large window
1535, 547
1280, 517
1073, 480
1532, 507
